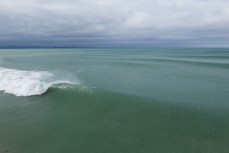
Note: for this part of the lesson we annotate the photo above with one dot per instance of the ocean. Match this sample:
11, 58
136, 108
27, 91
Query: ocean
114, 100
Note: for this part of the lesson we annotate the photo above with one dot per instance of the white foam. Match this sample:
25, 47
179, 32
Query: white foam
28, 83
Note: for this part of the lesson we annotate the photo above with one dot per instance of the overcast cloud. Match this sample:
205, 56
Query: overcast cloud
104, 23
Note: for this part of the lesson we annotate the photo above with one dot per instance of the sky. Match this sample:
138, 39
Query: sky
114, 23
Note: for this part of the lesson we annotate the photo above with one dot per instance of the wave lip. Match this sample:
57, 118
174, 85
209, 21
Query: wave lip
28, 83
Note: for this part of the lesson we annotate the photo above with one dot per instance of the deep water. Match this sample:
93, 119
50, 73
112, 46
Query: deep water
114, 100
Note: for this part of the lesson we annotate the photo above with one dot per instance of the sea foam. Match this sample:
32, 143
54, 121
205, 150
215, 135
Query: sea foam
28, 83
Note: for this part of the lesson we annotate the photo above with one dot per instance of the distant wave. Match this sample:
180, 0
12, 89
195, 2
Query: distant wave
29, 83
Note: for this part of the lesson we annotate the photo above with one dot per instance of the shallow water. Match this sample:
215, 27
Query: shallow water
114, 100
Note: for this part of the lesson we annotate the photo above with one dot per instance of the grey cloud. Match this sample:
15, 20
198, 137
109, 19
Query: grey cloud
118, 22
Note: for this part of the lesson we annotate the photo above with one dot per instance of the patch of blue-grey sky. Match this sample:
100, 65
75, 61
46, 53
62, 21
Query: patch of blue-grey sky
103, 23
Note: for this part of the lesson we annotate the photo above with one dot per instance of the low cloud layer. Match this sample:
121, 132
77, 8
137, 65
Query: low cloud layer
104, 23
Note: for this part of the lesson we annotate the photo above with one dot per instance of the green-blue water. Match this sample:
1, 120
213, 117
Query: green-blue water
114, 101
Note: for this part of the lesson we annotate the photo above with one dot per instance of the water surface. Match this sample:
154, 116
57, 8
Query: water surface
114, 100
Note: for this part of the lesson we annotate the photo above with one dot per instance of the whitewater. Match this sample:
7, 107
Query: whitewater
29, 83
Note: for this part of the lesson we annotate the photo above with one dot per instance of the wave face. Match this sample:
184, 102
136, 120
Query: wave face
28, 83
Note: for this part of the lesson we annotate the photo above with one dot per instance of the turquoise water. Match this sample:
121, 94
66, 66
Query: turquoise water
114, 100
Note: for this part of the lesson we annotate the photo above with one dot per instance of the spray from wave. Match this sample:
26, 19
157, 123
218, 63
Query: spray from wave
29, 83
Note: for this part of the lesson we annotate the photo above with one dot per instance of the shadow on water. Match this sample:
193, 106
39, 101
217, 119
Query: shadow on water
88, 120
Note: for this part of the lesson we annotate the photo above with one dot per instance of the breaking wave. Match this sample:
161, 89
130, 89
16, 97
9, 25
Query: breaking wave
29, 83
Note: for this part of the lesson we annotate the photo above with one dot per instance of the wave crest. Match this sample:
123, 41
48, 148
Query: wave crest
28, 83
